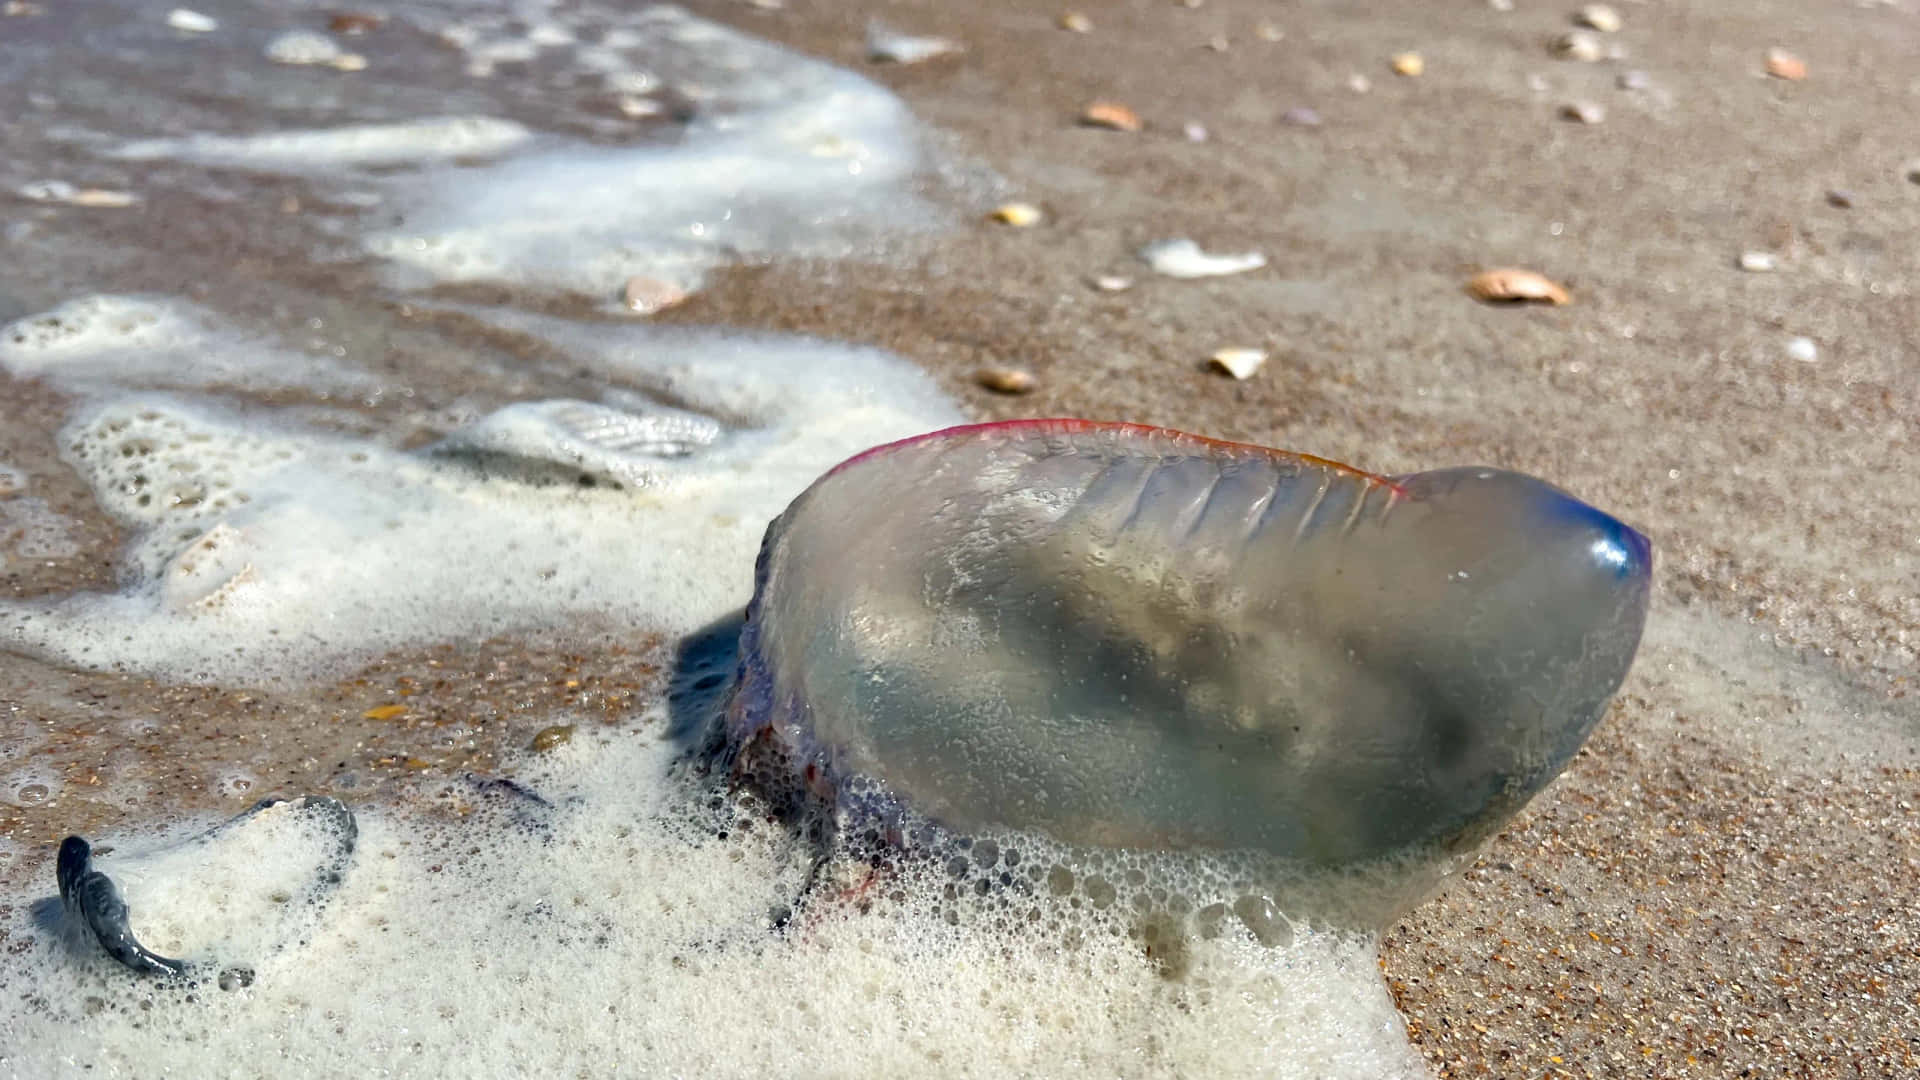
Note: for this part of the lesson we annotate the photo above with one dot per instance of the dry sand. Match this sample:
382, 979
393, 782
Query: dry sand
1724, 883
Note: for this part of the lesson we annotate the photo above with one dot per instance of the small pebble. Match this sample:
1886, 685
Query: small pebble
1219, 43
1194, 131
886, 46
353, 23
1579, 45
1112, 115
1757, 262
1840, 198
1112, 282
1583, 112
1076, 22
1409, 64
1182, 258
1803, 349
552, 738
383, 712
1006, 380
301, 47
1782, 64
1240, 363
1359, 83
1018, 214
1300, 116
192, 21
648, 295
1513, 285
1599, 17
1269, 33
1633, 80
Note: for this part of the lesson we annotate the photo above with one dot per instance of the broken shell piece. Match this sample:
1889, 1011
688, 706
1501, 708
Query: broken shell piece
192, 21
1240, 363
1076, 22
1803, 349
886, 46
59, 191
207, 572
1599, 17
348, 62
1112, 282
1509, 285
1409, 64
1017, 214
1182, 258
1006, 380
1269, 32
1757, 262
1782, 64
1111, 114
1579, 45
1194, 131
647, 295
1583, 112
1359, 83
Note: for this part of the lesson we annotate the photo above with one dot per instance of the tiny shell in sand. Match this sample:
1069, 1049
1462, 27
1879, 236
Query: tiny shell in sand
1599, 17
1241, 363
1182, 258
886, 46
1006, 380
1782, 64
191, 22
1583, 112
1076, 22
1509, 285
1017, 214
1409, 64
1579, 45
647, 295
1111, 114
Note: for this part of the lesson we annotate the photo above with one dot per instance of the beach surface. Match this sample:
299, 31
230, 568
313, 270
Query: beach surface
1721, 884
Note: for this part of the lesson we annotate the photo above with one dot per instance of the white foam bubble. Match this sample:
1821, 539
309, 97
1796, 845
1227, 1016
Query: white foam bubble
262, 550
616, 927
159, 342
409, 142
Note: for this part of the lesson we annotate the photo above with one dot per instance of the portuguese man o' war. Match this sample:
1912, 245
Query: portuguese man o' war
1125, 637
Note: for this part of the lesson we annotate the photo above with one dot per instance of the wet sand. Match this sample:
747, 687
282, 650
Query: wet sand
1722, 884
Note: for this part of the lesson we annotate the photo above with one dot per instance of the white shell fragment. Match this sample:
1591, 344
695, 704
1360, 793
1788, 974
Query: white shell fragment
1757, 262
301, 47
59, 191
1182, 258
1803, 349
887, 46
1238, 362
1579, 45
1601, 17
192, 21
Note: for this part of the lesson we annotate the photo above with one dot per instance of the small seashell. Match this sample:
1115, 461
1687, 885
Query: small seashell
383, 712
1194, 131
1240, 363
1409, 64
1300, 116
1579, 45
1803, 349
100, 197
1018, 214
886, 46
1076, 22
1182, 258
1111, 114
1268, 32
1111, 282
648, 295
192, 21
355, 22
1006, 380
1756, 262
1219, 43
1359, 83
1583, 112
1633, 80
1511, 285
1782, 64
1599, 17
1500, 5
348, 62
